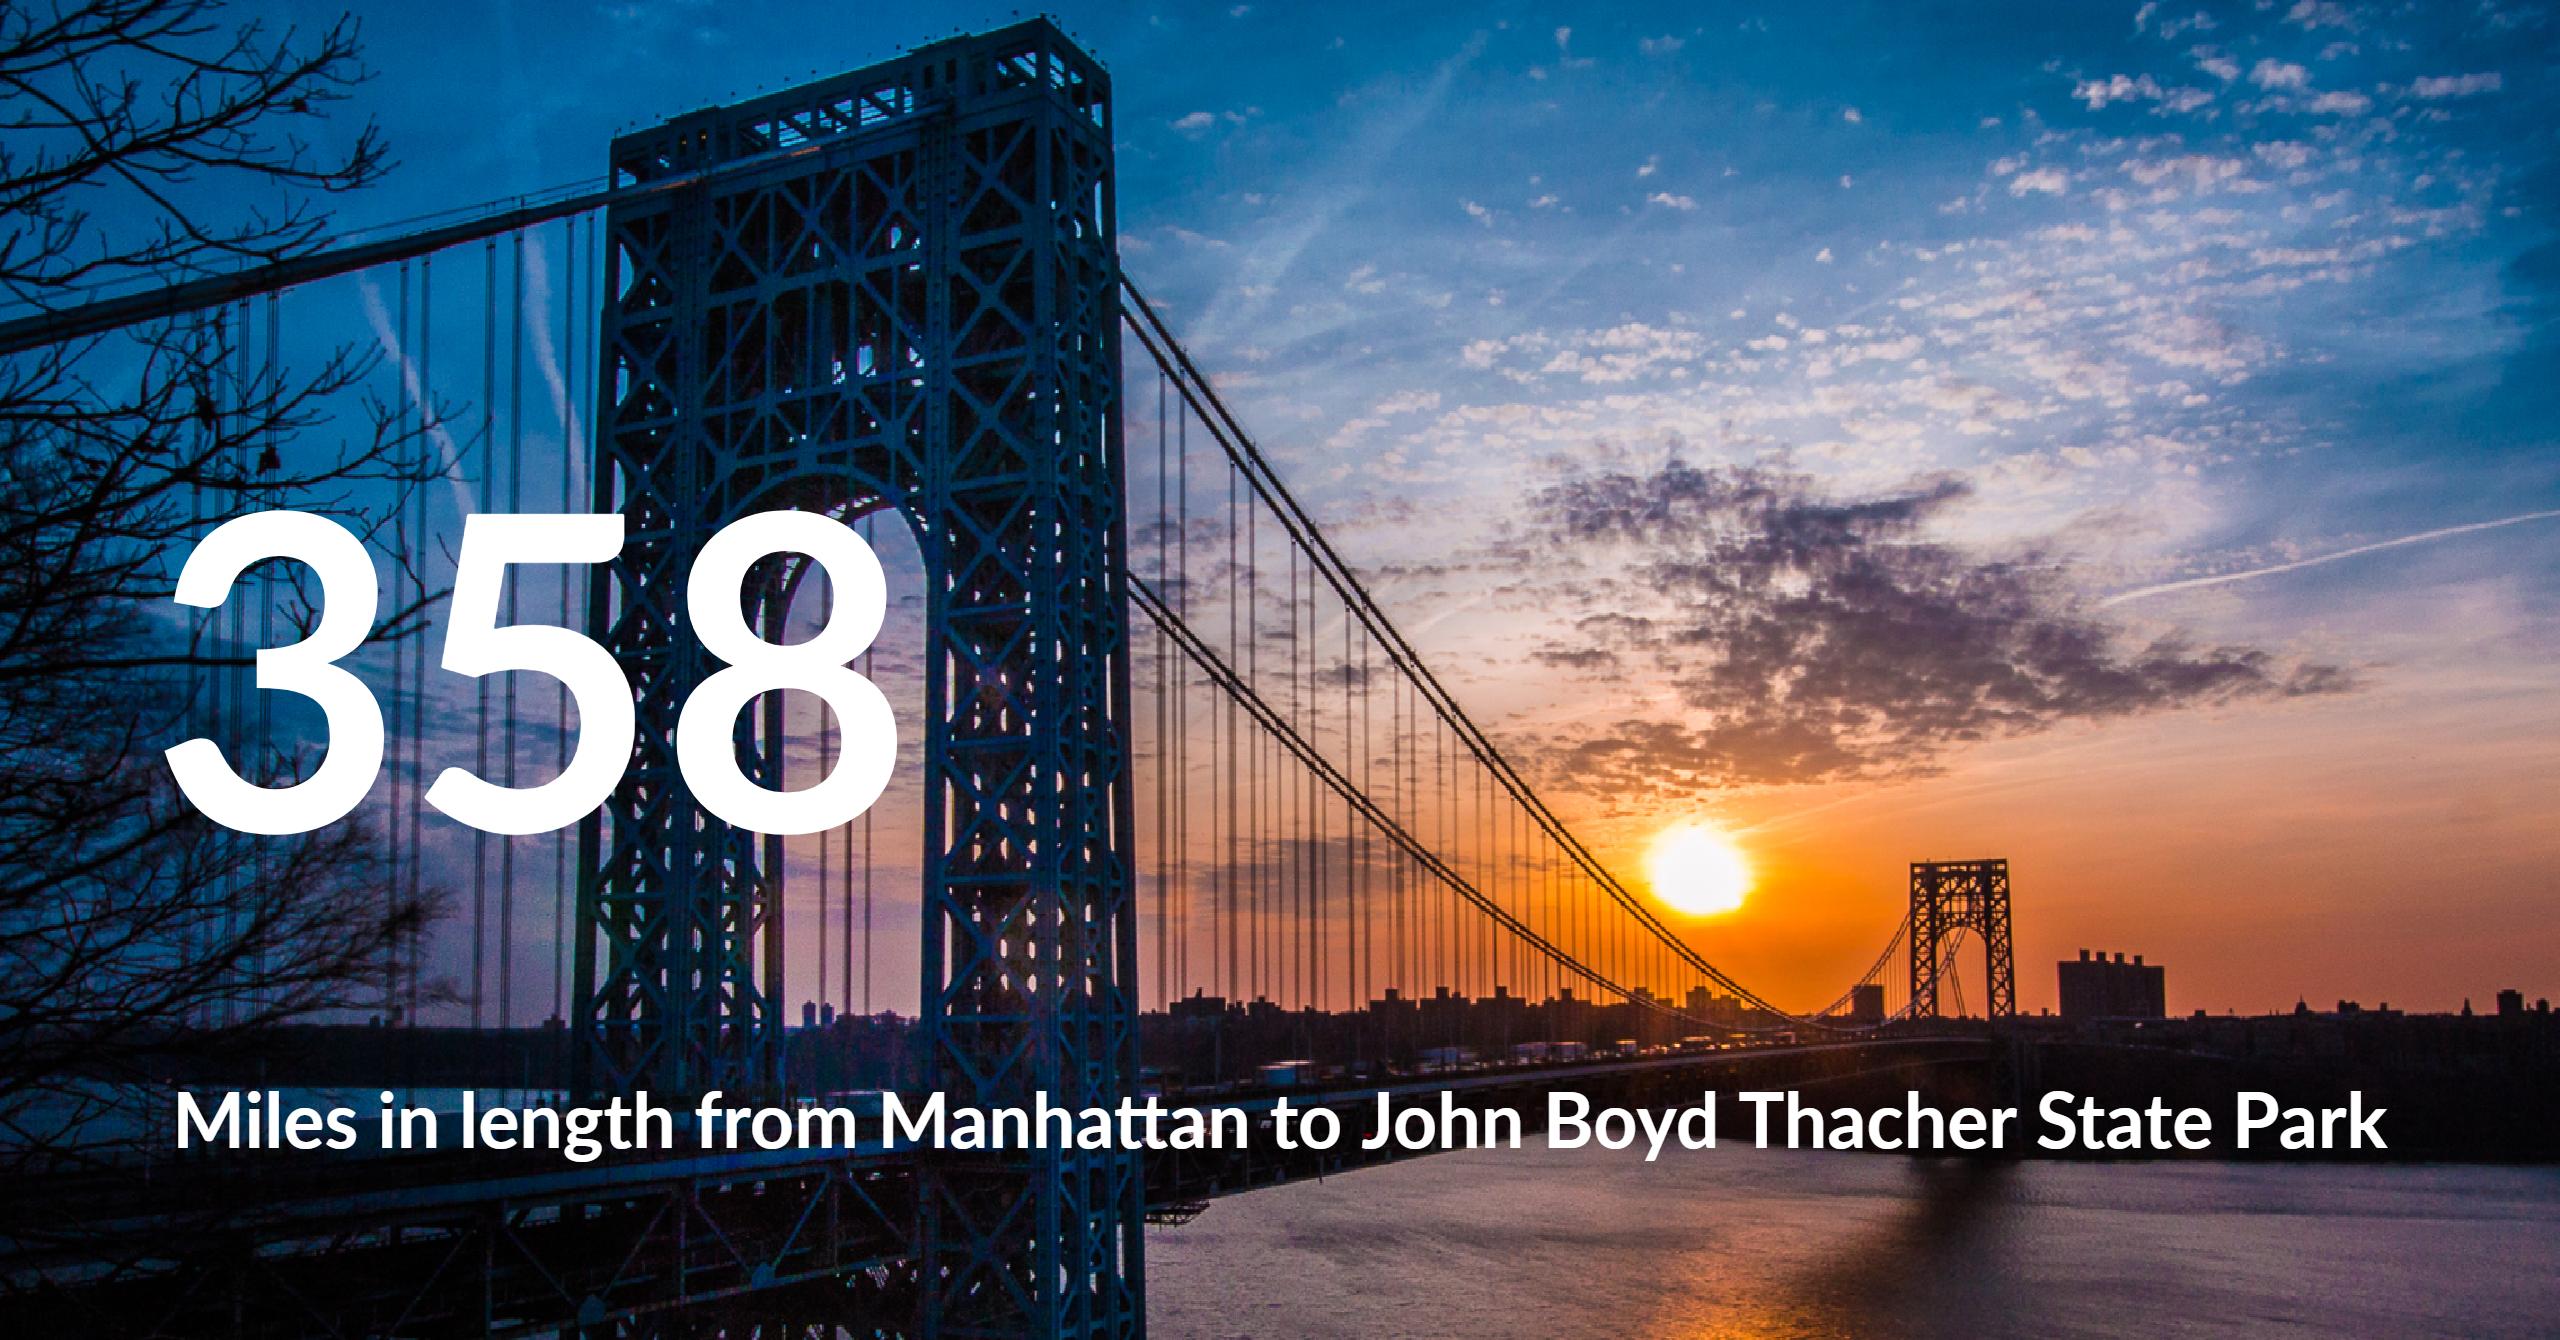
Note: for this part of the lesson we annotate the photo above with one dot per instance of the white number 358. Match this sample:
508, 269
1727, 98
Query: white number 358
476, 644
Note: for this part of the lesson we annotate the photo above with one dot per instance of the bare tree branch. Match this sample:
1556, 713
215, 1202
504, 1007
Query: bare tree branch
133, 932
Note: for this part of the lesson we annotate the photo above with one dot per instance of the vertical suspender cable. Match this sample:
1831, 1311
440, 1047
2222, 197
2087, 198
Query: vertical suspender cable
428, 427
1253, 768
1225, 971
826, 836
392, 831
483, 482
1165, 679
1294, 893
269, 457
1181, 697
199, 623
244, 461
508, 745
569, 397
869, 531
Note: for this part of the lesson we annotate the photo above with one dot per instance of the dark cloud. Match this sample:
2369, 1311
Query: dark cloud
1816, 638
1584, 657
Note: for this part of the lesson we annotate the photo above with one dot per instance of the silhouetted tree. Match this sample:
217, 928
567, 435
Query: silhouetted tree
143, 141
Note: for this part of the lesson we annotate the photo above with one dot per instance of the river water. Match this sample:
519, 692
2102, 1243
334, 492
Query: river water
1765, 1243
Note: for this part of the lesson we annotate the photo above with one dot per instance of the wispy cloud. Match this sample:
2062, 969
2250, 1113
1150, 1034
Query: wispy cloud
2457, 85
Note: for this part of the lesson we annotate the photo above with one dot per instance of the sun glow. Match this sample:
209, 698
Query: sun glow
1698, 871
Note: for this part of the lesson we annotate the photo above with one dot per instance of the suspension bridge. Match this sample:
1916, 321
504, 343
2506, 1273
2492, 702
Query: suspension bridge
1178, 766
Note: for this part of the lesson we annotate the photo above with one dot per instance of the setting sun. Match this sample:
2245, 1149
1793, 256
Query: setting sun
1697, 870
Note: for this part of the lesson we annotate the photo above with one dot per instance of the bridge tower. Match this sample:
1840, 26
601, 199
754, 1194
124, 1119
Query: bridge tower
1949, 896
895, 290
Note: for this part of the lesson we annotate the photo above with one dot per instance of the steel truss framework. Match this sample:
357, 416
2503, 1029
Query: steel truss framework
523, 1250
1952, 896
921, 318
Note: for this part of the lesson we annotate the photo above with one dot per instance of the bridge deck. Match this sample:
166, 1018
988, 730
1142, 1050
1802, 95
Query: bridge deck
516, 1243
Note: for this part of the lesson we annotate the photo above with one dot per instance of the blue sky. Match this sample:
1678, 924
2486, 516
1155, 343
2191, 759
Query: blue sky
2287, 263
2014, 313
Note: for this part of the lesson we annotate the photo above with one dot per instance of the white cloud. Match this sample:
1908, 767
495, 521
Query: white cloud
1564, 52
1197, 123
1669, 201
1409, 402
1651, 165
1619, 354
1822, 257
2046, 181
2203, 172
2289, 155
2186, 340
2341, 104
1852, 116
2457, 85
2277, 74
1660, 46
2142, 88
2099, 92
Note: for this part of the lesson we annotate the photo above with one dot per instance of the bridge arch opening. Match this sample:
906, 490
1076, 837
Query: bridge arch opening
850, 895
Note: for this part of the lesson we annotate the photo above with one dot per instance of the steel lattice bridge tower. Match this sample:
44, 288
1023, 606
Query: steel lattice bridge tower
913, 309
1948, 898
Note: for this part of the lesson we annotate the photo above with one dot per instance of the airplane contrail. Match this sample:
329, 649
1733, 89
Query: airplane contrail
415, 390
2422, 537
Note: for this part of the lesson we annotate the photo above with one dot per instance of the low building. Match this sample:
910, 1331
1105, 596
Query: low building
1866, 1004
2097, 987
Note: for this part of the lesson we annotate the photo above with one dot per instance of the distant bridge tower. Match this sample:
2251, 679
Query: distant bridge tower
895, 290
1949, 896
